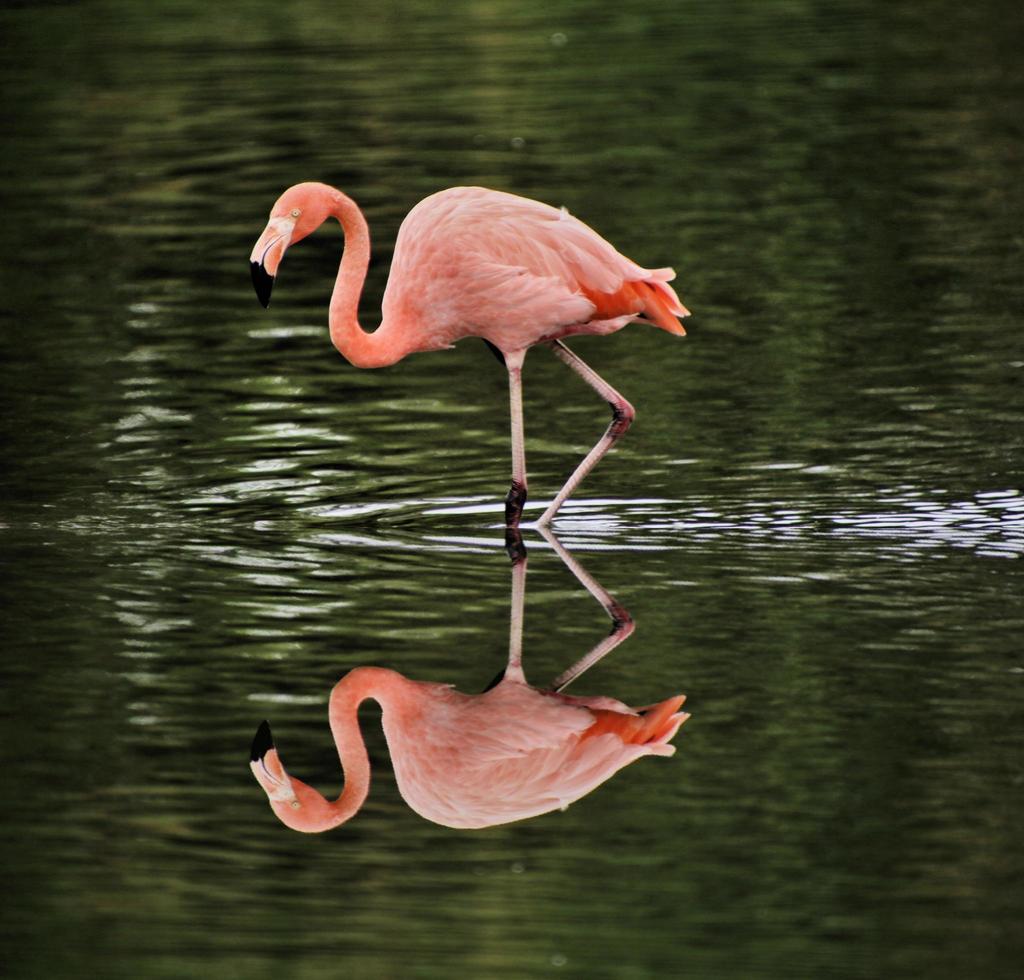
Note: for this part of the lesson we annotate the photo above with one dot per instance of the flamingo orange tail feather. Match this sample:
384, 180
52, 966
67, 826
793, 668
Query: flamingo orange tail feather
653, 299
656, 725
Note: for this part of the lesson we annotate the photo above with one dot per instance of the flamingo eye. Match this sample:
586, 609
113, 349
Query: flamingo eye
295, 804
296, 212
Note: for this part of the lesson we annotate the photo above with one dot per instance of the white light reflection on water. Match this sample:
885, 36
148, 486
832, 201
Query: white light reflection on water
895, 521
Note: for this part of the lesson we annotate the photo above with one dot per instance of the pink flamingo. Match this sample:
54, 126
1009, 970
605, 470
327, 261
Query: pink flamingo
469, 761
472, 761
471, 262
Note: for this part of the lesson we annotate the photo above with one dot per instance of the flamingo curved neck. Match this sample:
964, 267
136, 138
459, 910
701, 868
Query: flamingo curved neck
308, 810
364, 350
349, 693
354, 688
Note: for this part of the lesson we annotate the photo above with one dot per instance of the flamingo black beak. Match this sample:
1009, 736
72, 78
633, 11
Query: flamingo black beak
266, 766
267, 254
263, 283
263, 741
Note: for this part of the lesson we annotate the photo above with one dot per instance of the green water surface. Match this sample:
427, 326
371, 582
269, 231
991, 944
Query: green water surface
207, 516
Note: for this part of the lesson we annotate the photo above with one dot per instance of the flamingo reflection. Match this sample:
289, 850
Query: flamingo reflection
472, 761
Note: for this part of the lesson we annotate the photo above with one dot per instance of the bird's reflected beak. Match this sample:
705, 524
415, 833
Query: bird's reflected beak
267, 254
267, 768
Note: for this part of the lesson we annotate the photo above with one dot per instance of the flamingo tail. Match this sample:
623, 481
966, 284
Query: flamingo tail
651, 298
655, 727
661, 304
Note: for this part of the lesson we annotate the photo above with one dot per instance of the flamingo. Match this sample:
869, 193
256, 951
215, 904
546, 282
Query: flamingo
473, 262
474, 761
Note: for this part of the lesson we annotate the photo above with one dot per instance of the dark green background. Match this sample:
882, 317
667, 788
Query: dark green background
206, 516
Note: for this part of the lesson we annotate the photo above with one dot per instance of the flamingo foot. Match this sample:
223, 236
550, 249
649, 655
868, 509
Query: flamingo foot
514, 546
514, 504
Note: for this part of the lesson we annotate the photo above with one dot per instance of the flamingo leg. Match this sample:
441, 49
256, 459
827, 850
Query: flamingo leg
622, 417
514, 669
622, 622
516, 499
517, 555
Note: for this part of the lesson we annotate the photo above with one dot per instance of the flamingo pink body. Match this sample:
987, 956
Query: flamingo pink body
471, 761
472, 262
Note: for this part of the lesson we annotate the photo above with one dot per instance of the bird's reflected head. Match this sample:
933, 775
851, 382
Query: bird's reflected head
297, 805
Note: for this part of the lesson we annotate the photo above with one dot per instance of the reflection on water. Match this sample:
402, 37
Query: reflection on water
898, 519
473, 761
207, 517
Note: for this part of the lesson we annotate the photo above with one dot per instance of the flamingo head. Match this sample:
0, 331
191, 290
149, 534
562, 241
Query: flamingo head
297, 805
298, 211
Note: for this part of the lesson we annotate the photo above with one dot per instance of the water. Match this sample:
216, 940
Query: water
817, 521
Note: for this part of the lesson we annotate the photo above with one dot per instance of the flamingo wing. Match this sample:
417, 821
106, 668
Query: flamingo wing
515, 752
513, 721
483, 789
471, 261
